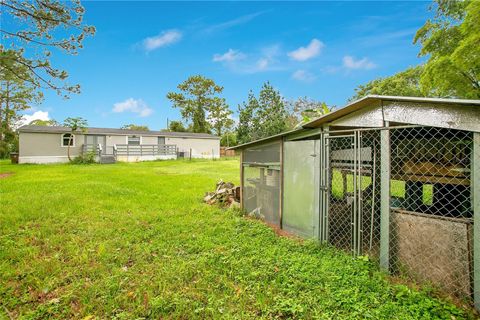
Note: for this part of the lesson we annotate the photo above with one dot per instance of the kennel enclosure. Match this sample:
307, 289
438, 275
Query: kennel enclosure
394, 178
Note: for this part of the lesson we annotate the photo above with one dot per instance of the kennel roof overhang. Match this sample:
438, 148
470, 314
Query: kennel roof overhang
374, 110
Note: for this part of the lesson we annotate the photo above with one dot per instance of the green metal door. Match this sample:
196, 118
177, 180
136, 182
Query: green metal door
301, 190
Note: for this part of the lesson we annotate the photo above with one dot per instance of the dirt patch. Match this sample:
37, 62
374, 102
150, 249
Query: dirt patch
278, 231
5, 175
282, 233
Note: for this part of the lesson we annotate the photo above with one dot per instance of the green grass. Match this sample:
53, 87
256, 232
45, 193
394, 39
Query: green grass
129, 241
397, 187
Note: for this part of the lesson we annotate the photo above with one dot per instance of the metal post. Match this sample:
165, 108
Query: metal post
321, 190
475, 191
316, 215
360, 195
385, 198
328, 180
354, 213
281, 194
242, 173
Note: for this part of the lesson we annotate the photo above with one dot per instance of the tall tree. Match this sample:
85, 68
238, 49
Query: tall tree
135, 127
176, 126
228, 139
219, 117
29, 32
272, 112
196, 97
75, 125
451, 41
263, 116
16, 95
305, 109
405, 83
46, 123
246, 112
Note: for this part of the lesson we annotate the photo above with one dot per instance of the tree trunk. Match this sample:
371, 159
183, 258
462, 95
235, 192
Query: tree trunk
4, 120
68, 147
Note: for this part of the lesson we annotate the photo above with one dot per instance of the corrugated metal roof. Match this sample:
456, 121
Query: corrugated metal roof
266, 139
359, 104
368, 100
113, 131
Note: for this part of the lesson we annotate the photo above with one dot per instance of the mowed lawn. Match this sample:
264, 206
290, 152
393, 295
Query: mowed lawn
129, 241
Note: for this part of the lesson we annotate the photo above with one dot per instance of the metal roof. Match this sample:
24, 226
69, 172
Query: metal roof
359, 104
265, 139
113, 131
368, 100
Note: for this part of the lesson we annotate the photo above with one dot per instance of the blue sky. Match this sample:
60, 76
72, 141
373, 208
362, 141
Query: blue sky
142, 50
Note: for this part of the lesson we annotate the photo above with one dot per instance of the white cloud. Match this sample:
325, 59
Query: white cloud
267, 60
163, 39
262, 64
37, 115
133, 105
302, 75
229, 56
305, 53
349, 62
234, 22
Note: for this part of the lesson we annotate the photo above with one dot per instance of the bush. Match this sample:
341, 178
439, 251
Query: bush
9, 145
87, 158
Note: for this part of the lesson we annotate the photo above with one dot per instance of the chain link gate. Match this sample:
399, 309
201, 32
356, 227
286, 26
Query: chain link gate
351, 184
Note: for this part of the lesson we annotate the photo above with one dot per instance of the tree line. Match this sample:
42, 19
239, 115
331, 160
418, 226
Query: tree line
205, 111
449, 41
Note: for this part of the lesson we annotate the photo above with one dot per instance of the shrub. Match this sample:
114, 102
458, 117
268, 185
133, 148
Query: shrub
87, 158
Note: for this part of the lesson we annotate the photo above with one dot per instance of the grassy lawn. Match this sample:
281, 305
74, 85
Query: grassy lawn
129, 241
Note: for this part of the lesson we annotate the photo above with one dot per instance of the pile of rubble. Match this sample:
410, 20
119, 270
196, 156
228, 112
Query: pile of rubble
225, 195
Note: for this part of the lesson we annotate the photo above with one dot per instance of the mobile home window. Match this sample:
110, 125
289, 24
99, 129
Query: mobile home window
68, 139
134, 140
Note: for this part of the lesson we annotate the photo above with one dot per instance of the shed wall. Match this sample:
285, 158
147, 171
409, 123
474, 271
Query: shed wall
301, 190
262, 179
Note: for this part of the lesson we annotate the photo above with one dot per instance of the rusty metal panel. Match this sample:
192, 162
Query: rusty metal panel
449, 116
370, 116
417, 233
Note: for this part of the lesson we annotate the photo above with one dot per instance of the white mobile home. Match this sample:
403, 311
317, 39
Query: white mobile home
43, 144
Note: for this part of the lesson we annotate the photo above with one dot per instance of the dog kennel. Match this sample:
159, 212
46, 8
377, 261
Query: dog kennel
394, 178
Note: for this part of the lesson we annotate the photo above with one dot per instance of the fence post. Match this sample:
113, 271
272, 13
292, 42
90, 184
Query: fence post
385, 198
190, 154
242, 174
327, 188
475, 192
